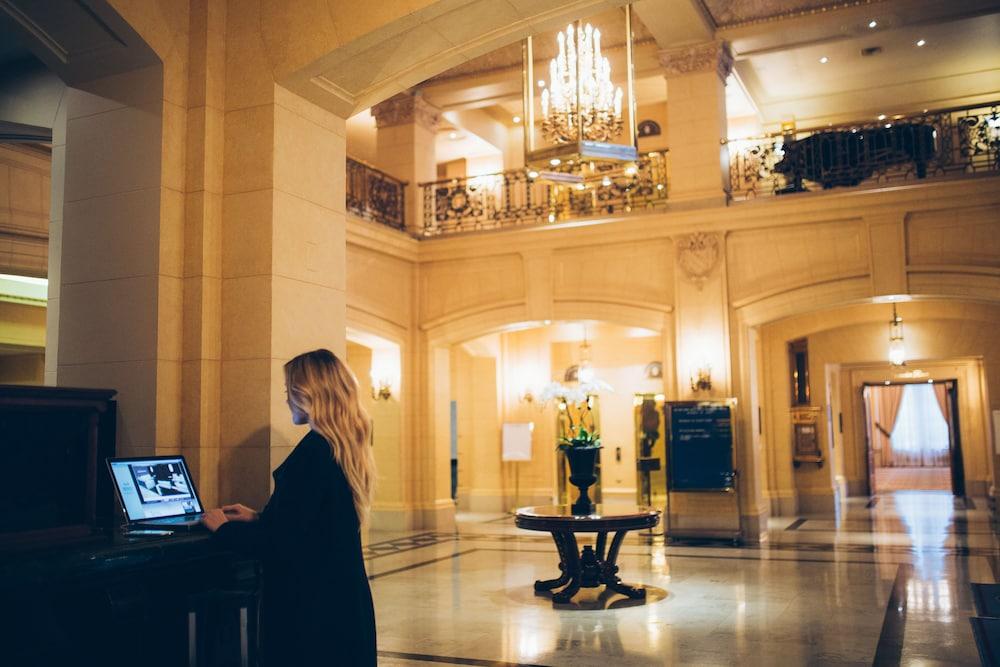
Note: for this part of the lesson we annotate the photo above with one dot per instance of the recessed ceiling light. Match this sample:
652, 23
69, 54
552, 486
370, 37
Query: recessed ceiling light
453, 135
921, 42
824, 60
555, 162
881, 116
517, 119
873, 23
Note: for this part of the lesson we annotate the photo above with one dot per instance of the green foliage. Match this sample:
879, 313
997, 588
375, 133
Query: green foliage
581, 439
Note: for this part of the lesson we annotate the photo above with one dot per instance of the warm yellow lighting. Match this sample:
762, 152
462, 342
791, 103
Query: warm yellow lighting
541, 83
921, 42
824, 60
552, 217
555, 162
581, 186
532, 174
703, 380
872, 24
881, 116
897, 352
516, 119
453, 135
592, 102
606, 181
631, 170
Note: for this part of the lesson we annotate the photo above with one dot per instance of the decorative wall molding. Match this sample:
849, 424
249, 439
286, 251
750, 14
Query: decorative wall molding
697, 255
729, 13
698, 58
405, 109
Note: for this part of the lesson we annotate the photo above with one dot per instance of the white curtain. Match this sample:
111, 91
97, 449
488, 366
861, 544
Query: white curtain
920, 435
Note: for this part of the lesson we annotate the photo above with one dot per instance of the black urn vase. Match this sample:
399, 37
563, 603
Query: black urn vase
582, 474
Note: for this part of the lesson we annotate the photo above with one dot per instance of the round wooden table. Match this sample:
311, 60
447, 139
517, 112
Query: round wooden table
591, 567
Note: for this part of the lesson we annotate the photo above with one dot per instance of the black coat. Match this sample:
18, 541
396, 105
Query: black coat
316, 603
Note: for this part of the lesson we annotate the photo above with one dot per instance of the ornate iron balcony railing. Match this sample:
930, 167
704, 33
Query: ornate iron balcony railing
375, 195
514, 197
932, 144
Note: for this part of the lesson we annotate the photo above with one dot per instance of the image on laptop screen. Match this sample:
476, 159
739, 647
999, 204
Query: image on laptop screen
154, 488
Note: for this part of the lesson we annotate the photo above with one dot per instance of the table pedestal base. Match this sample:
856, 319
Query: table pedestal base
587, 569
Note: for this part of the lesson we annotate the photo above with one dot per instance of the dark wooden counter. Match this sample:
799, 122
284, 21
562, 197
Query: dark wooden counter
110, 601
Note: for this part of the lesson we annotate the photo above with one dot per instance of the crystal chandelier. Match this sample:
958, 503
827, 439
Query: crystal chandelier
580, 91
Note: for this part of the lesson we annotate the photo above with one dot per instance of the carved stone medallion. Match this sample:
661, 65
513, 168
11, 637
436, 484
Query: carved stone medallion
697, 256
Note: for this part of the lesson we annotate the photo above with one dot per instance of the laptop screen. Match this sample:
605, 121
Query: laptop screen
155, 487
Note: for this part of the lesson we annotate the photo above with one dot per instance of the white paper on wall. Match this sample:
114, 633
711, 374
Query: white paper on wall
996, 430
517, 441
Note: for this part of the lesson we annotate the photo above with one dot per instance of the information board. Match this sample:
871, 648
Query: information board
700, 446
516, 441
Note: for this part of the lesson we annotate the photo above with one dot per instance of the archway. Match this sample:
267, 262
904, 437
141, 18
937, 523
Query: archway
847, 347
494, 376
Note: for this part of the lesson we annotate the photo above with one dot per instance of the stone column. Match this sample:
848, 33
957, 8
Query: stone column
283, 256
696, 121
201, 370
121, 256
406, 128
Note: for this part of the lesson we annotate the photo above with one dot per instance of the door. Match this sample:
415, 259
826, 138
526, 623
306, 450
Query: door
866, 415
955, 441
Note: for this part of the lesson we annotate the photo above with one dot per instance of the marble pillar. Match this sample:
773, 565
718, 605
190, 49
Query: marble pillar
696, 122
406, 129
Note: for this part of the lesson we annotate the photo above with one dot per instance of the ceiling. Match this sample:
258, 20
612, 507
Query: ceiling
780, 61
778, 47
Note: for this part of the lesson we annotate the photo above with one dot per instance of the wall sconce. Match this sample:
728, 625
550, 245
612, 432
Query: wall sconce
703, 381
381, 390
897, 352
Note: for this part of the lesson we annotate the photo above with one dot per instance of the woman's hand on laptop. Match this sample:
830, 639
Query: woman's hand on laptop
239, 512
212, 519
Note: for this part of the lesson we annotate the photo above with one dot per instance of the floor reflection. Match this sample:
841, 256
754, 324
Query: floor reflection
926, 516
884, 582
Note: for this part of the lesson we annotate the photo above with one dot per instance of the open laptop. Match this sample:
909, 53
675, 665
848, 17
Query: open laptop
156, 492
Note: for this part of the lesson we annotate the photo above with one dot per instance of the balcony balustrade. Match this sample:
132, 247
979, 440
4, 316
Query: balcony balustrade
375, 195
517, 197
961, 141
956, 142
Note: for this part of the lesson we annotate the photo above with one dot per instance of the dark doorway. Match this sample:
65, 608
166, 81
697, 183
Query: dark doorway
913, 437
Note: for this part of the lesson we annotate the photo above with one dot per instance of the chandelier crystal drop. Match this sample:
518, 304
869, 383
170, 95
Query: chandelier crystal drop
599, 107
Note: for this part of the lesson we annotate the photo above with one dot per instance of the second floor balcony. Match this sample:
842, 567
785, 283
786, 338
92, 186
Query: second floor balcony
962, 142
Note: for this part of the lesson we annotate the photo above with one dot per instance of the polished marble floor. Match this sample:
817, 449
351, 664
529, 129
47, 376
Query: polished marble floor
912, 479
886, 582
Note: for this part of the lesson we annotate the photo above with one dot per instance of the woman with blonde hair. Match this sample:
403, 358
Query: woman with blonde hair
316, 603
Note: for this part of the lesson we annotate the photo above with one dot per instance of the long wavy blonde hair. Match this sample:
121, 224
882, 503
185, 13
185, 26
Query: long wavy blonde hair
324, 388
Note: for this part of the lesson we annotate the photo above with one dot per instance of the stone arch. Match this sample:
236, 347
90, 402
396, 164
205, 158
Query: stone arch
961, 341
347, 57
